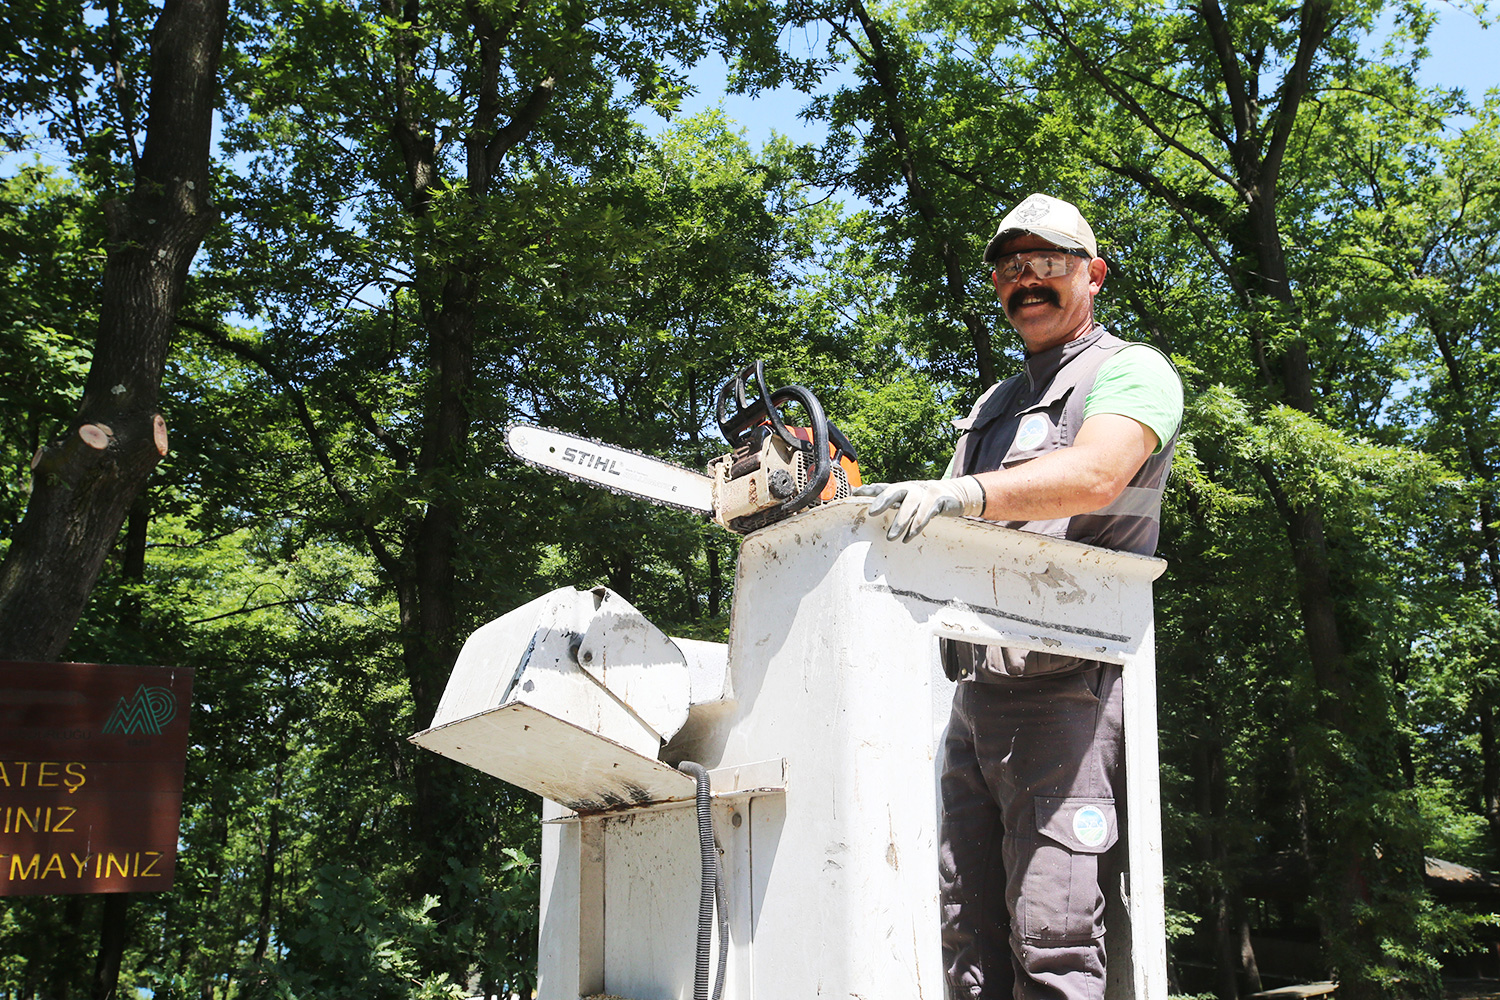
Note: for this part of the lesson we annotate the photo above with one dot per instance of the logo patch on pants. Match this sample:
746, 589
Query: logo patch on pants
1090, 826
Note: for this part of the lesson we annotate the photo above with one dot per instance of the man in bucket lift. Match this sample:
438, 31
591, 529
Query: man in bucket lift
1077, 446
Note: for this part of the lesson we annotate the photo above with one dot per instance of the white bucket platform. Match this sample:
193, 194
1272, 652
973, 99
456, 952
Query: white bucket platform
820, 725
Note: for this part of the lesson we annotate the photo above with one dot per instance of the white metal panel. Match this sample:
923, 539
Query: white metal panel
635, 662
519, 704
832, 887
529, 657
832, 657
733, 827
557, 759
558, 976
592, 903
646, 863
981, 583
651, 880
496, 652
708, 669
1143, 797
766, 821
709, 701
839, 678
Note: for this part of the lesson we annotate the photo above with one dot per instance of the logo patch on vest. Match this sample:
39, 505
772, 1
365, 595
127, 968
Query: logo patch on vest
1090, 826
1033, 431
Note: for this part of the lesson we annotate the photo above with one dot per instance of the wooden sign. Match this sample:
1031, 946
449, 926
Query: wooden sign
91, 762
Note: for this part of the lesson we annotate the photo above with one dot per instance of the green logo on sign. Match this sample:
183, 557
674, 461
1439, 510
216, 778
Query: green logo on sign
147, 712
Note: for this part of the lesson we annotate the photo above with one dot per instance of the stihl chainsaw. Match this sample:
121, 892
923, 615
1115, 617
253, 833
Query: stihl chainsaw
771, 471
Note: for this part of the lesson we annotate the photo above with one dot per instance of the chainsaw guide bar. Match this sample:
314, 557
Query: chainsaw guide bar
619, 470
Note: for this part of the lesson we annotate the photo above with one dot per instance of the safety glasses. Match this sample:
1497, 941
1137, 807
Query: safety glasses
1043, 263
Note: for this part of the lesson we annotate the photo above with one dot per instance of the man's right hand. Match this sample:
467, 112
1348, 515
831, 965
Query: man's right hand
921, 500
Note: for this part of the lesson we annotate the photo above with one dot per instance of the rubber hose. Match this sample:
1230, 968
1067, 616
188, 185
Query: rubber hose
709, 891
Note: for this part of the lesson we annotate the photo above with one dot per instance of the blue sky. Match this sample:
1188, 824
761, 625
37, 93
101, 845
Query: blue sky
1464, 54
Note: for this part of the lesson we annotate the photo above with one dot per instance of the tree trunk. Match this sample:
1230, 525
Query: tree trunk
1464, 412
85, 481
270, 857
1490, 761
715, 583
112, 926
1212, 793
1247, 958
447, 824
445, 827
1351, 944
111, 945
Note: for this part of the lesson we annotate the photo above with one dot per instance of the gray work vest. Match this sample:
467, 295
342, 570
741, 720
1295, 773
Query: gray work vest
1031, 414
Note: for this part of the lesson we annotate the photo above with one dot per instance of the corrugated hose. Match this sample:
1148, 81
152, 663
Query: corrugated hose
709, 894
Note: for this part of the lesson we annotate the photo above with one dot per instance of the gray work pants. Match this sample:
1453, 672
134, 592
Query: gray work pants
1028, 786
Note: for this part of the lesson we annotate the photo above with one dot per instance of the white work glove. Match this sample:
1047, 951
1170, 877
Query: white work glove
923, 499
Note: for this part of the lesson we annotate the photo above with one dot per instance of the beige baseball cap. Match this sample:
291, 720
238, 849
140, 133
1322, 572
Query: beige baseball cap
1053, 219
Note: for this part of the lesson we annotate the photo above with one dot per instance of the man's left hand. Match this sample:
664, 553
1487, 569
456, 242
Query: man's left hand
921, 500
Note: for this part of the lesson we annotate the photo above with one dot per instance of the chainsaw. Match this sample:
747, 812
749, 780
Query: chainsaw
771, 471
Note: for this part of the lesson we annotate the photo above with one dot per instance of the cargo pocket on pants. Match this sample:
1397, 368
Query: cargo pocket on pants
1060, 897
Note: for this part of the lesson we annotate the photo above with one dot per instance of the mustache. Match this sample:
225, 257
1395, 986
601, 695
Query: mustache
1047, 294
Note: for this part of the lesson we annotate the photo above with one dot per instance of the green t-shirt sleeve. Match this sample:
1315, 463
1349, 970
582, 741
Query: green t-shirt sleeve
1139, 382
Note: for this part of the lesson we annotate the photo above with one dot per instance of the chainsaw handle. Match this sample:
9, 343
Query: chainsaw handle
822, 464
767, 409
747, 415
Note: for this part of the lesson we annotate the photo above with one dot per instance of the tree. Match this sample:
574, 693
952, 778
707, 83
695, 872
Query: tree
561, 269
1436, 228
1199, 139
85, 480
414, 127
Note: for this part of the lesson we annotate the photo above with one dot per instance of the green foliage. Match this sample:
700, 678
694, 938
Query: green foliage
49, 245
381, 297
1179, 130
73, 78
350, 942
